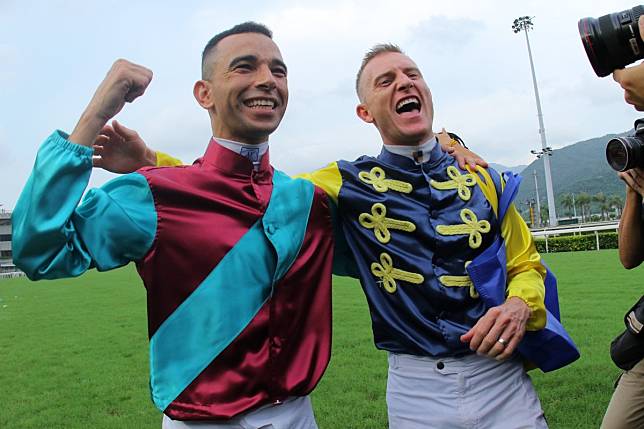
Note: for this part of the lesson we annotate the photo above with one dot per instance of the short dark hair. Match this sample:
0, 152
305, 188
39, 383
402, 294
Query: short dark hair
244, 27
376, 50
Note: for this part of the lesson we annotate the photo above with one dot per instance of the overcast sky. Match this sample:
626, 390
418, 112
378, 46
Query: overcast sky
54, 53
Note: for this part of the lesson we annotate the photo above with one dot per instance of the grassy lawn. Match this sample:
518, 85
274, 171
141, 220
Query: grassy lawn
73, 353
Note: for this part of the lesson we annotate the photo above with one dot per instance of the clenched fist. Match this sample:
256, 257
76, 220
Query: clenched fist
124, 82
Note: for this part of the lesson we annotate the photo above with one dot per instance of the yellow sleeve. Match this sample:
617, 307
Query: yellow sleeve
327, 178
165, 160
526, 273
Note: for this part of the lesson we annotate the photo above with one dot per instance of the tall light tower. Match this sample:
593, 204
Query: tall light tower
536, 189
525, 23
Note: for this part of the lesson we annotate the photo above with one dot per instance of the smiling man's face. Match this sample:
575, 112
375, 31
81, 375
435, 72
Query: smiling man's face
249, 88
396, 99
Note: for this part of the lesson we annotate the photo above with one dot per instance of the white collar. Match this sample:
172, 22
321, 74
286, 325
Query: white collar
419, 154
253, 152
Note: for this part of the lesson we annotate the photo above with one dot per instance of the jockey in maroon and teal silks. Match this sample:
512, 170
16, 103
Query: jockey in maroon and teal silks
236, 262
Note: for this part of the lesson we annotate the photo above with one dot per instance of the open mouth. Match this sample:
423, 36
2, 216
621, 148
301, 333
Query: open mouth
408, 104
261, 103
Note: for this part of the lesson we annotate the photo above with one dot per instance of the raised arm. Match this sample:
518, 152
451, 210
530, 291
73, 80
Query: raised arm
52, 236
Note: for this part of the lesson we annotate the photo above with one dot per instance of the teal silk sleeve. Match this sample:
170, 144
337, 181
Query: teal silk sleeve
54, 237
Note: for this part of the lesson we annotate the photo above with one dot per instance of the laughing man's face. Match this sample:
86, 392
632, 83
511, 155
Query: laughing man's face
396, 99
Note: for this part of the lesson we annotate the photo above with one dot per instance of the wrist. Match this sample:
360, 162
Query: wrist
87, 129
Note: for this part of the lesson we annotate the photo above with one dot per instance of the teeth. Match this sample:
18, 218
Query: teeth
405, 101
260, 102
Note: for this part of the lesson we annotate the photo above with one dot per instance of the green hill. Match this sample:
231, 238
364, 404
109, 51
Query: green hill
579, 167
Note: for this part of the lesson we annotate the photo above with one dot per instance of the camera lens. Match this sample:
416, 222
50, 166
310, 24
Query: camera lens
624, 153
617, 155
612, 41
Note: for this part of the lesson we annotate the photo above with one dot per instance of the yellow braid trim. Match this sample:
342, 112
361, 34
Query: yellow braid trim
461, 182
377, 178
388, 274
471, 226
381, 224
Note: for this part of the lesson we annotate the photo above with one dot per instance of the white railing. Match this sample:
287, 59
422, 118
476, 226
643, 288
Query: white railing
574, 229
12, 275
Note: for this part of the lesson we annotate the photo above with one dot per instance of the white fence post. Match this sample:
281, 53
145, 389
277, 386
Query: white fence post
578, 229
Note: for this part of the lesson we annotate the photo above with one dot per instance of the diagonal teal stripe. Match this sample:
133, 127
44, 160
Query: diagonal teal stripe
232, 294
211, 318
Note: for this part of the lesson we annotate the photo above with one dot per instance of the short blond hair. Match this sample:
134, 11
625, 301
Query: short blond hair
376, 50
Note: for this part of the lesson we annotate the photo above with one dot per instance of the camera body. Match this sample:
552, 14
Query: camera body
624, 153
612, 41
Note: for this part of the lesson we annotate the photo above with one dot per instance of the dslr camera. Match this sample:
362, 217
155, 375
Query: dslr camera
612, 42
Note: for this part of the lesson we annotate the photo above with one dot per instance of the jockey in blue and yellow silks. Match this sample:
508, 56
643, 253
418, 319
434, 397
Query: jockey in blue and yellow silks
412, 229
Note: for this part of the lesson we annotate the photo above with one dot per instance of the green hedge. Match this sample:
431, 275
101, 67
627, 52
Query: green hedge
573, 243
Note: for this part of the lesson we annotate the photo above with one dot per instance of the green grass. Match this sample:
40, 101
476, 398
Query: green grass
73, 353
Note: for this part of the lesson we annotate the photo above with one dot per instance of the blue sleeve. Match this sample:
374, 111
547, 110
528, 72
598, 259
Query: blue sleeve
54, 237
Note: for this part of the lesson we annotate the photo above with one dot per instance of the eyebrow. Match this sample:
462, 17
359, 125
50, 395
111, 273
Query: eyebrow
280, 63
388, 73
413, 69
242, 59
253, 59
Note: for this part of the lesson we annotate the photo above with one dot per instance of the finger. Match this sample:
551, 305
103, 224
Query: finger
481, 329
134, 93
512, 345
467, 337
112, 137
105, 128
507, 335
618, 75
123, 131
97, 162
100, 139
98, 150
480, 161
492, 337
139, 85
629, 181
462, 162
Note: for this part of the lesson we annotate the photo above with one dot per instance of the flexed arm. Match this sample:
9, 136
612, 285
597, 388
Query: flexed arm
54, 237
124, 82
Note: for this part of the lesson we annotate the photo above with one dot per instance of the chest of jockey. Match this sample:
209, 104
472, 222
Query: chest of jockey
246, 262
413, 229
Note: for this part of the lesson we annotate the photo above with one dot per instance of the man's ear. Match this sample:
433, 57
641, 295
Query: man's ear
203, 94
363, 113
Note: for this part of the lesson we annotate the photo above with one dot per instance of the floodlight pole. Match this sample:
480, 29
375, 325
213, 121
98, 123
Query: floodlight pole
536, 189
525, 23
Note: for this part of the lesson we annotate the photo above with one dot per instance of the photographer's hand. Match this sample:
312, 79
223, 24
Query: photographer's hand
634, 178
631, 241
632, 79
